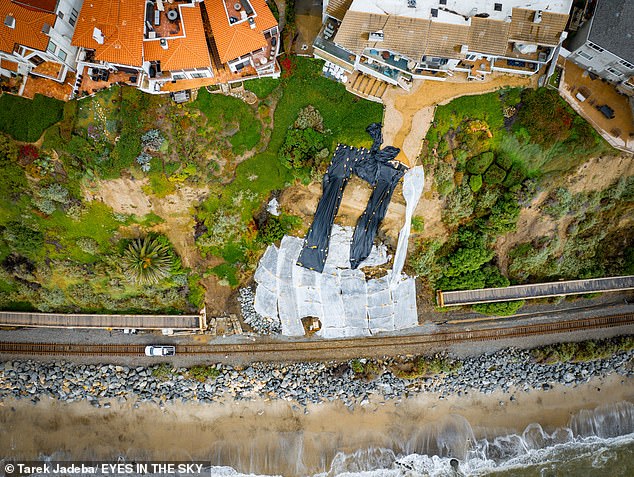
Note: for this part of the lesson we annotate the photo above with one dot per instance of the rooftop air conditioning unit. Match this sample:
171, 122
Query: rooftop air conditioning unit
376, 36
538, 17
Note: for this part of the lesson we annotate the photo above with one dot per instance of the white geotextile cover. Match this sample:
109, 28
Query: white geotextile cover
346, 304
413, 184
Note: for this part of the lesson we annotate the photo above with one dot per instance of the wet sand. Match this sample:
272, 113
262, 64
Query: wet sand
277, 437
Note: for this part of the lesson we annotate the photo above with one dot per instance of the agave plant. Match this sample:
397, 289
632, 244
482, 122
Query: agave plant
146, 260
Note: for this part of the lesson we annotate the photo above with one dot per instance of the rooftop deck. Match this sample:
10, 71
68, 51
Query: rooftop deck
48, 87
618, 131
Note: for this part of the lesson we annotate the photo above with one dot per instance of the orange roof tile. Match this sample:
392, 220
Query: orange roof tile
9, 65
182, 53
27, 30
121, 22
42, 5
238, 39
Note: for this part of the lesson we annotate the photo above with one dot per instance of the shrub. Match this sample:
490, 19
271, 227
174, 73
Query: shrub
309, 117
475, 182
505, 161
558, 203
459, 205
163, 372
545, 115
23, 238
276, 227
222, 227
494, 175
583, 350
514, 176
503, 308
147, 260
423, 260
479, 164
202, 373
300, 148
88, 245
152, 140
418, 224
467, 259
423, 366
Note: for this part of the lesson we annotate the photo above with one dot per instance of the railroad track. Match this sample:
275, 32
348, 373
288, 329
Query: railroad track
272, 350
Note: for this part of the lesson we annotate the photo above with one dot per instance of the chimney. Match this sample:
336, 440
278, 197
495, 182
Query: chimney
9, 21
97, 35
164, 44
46, 28
252, 23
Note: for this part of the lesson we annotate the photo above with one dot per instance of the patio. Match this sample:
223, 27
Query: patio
586, 96
90, 85
48, 87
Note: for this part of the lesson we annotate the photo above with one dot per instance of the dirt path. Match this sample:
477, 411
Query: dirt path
408, 115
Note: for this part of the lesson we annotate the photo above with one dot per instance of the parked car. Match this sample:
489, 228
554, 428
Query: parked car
160, 350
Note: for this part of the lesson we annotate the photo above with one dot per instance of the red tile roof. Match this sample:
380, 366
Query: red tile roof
182, 53
42, 5
238, 39
9, 65
28, 27
121, 22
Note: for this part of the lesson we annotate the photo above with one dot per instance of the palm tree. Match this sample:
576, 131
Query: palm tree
147, 260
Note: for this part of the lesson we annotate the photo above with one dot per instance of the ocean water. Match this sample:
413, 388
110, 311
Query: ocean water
595, 443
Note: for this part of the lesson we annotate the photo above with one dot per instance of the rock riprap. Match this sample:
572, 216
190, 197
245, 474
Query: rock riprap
508, 370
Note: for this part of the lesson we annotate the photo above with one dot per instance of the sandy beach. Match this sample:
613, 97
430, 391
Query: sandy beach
275, 437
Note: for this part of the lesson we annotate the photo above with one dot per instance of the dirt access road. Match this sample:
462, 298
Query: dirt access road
408, 115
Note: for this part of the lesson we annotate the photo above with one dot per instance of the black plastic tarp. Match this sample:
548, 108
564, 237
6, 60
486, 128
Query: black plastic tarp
377, 167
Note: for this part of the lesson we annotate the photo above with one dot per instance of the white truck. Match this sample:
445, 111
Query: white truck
160, 350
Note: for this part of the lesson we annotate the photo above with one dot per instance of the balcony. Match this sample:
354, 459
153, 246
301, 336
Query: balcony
324, 42
391, 59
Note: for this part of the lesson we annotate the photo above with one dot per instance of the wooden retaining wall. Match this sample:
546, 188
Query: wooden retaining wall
537, 290
139, 322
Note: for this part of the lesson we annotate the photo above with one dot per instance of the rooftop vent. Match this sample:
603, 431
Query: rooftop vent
164, 44
233, 20
172, 15
443, 2
376, 36
252, 23
9, 21
237, 6
434, 13
538, 17
497, 7
411, 3
97, 35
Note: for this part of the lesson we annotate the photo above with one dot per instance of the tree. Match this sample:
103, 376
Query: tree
147, 260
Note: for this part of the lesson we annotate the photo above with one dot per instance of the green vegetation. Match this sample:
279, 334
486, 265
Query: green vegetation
303, 101
203, 373
235, 118
489, 154
424, 366
147, 260
583, 350
26, 119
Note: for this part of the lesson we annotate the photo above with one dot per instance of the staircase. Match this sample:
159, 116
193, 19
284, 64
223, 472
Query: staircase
367, 87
